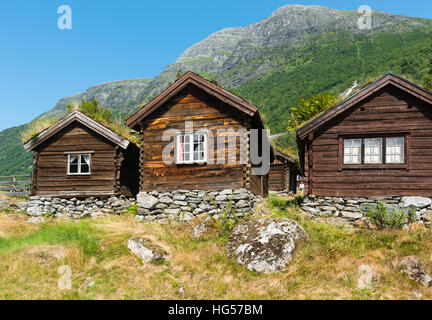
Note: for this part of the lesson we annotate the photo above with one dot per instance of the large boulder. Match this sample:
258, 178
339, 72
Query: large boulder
265, 245
145, 250
146, 201
414, 270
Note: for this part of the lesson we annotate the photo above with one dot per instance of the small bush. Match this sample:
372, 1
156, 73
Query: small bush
383, 218
132, 209
228, 220
310, 108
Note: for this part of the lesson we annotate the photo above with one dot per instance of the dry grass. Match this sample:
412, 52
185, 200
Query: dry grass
36, 127
14, 225
324, 268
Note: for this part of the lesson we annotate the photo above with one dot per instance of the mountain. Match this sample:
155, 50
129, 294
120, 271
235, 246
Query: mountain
297, 51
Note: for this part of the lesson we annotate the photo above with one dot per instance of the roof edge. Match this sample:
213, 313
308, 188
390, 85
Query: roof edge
362, 94
191, 78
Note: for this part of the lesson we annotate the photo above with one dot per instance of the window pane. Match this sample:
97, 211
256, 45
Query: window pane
373, 150
395, 149
191, 147
184, 148
352, 151
85, 164
73, 164
198, 148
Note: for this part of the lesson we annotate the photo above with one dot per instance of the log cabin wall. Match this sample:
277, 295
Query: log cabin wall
51, 172
206, 112
277, 176
388, 112
34, 175
255, 184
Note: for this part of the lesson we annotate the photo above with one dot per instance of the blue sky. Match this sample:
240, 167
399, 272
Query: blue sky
115, 40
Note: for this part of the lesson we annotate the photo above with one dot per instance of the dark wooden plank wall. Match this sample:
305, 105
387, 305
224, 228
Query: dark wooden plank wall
191, 104
255, 184
386, 111
52, 162
277, 178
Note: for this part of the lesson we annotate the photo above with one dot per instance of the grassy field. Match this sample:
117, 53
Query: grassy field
324, 268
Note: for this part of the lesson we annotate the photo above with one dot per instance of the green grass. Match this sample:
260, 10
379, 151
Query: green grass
81, 234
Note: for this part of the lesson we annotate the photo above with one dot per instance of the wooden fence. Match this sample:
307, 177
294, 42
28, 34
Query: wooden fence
18, 185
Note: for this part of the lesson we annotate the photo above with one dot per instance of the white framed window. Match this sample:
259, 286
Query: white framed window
395, 150
191, 148
373, 150
79, 164
352, 151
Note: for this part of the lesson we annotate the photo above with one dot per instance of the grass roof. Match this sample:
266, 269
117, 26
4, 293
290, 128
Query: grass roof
89, 108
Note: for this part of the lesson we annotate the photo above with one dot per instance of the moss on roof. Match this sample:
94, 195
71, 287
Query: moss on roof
90, 109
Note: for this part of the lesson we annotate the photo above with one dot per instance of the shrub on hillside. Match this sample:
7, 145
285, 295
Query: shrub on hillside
309, 108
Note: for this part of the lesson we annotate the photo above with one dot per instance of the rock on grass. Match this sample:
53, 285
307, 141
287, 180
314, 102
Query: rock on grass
145, 250
265, 245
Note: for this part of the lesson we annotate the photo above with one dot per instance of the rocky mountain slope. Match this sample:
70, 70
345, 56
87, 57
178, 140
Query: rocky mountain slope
295, 52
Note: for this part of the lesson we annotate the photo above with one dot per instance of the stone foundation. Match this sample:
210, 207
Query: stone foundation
281, 193
352, 209
184, 205
77, 208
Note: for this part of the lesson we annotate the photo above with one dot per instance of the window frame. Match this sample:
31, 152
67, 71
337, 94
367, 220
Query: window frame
343, 151
403, 154
381, 154
191, 160
79, 155
383, 165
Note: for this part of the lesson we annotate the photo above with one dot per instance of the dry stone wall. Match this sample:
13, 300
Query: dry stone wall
184, 205
77, 208
353, 210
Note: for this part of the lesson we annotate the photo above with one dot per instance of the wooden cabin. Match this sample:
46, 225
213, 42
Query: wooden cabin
375, 143
209, 108
79, 157
283, 173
